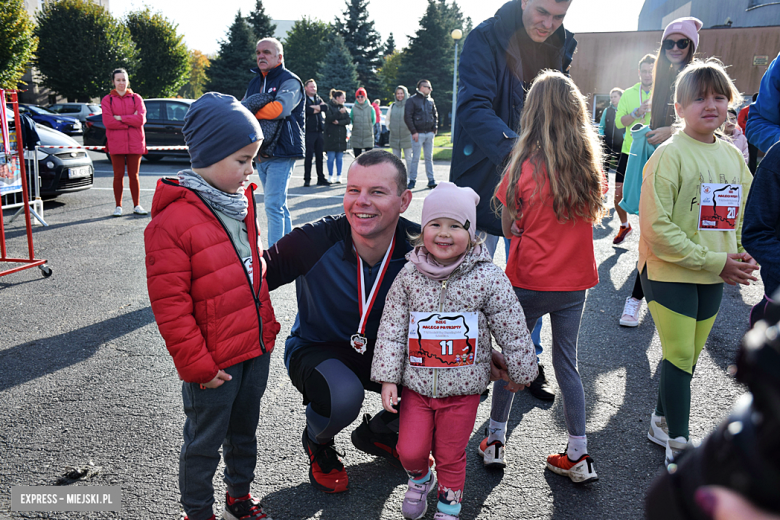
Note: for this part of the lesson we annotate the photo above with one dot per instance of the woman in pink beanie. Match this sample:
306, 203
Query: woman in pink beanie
678, 44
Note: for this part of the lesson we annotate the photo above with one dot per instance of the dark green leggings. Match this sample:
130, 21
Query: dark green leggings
683, 314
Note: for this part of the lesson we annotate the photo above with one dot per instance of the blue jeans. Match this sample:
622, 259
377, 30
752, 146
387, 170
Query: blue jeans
336, 157
491, 242
424, 141
275, 177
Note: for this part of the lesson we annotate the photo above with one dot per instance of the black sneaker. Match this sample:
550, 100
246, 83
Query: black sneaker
540, 388
306, 184
377, 444
248, 509
323, 182
326, 472
410, 186
431, 185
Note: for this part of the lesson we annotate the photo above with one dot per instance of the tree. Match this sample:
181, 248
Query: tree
390, 45
231, 71
337, 70
18, 42
80, 43
260, 22
194, 88
163, 56
306, 46
388, 74
364, 44
430, 54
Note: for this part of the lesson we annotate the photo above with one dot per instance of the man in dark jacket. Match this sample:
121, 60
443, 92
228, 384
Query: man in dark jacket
500, 59
421, 118
275, 171
315, 115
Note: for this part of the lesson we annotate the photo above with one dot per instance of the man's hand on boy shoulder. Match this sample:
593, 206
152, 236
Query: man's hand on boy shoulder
218, 380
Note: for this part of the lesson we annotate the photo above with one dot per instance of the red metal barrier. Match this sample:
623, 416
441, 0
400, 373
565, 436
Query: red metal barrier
31, 261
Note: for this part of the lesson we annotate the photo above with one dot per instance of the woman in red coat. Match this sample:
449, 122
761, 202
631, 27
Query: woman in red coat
124, 115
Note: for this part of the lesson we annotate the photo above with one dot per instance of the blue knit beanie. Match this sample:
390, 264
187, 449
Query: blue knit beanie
216, 126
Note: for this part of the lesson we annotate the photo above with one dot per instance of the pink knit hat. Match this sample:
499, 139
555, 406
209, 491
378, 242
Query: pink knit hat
450, 201
687, 26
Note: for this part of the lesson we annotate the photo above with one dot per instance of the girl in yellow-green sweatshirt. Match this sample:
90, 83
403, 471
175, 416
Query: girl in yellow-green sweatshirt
693, 197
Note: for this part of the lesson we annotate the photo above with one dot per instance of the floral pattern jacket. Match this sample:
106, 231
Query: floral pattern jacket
476, 285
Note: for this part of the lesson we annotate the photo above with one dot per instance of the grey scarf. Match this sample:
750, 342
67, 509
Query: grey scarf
234, 205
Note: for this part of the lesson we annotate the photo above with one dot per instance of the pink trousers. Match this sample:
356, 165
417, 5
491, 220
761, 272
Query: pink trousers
443, 425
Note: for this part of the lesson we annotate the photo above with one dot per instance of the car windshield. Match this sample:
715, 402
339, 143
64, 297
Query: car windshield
95, 109
40, 110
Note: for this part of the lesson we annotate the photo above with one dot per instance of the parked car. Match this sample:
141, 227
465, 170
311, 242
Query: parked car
42, 116
164, 121
61, 170
80, 111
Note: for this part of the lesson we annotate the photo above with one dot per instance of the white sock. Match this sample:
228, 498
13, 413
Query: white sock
578, 446
624, 224
497, 432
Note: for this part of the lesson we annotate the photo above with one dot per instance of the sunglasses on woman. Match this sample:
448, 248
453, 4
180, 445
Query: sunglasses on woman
681, 44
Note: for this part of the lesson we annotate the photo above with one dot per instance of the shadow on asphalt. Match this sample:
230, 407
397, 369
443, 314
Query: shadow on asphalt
34, 359
369, 479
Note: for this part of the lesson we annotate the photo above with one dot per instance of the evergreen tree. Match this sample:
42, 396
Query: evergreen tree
364, 44
390, 45
164, 59
80, 43
261, 22
305, 47
388, 74
230, 72
337, 70
430, 54
194, 88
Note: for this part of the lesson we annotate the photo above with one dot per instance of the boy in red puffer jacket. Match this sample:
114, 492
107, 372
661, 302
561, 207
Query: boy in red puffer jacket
205, 273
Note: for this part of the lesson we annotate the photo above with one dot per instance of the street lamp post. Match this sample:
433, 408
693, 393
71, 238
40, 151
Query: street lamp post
456, 34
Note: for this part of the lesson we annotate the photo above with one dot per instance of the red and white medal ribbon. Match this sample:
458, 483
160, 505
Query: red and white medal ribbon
366, 303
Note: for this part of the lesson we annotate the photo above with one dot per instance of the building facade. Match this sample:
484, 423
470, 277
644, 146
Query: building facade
656, 14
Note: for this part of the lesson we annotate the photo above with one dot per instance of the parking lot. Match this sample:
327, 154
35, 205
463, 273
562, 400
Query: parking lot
88, 384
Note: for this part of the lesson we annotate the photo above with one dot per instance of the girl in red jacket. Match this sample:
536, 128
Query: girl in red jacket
204, 272
124, 115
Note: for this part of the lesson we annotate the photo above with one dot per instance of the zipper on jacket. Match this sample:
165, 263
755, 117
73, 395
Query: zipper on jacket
255, 297
441, 308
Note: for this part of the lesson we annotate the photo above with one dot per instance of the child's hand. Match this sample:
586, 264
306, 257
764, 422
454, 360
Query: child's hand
390, 397
498, 368
738, 269
218, 380
514, 387
516, 231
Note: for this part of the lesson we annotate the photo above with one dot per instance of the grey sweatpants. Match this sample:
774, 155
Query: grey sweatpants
565, 310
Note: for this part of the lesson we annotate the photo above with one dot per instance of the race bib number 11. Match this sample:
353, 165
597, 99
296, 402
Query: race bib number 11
719, 208
443, 340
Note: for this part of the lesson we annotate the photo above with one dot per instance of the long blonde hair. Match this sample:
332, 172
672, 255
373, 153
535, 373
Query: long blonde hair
557, 136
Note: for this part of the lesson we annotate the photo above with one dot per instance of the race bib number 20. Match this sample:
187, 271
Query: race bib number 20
443, 340
720, 205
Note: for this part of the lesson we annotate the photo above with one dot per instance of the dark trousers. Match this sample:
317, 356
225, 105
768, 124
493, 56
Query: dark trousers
225, 416
314, 145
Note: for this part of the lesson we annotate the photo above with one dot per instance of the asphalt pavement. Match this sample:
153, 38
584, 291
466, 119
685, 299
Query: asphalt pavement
86, 382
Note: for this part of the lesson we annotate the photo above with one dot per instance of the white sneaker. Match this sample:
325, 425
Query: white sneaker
330, 180
673, 448
581, 471
659, 430
630, 312
138, 210
493, 454
117, 212
338, 179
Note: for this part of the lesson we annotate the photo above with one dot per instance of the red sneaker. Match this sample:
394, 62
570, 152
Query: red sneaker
326, 472
622, 233
580, 471
493, 454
